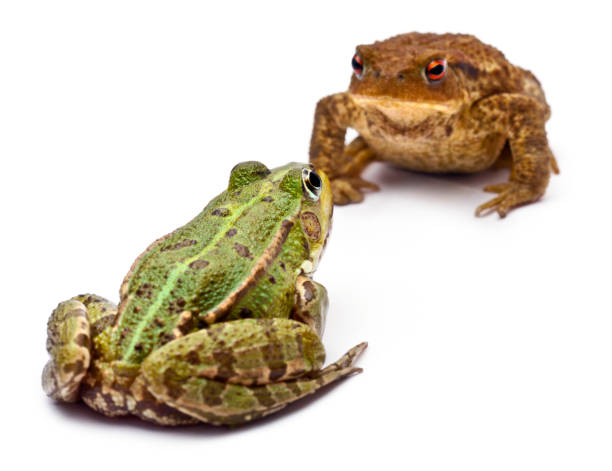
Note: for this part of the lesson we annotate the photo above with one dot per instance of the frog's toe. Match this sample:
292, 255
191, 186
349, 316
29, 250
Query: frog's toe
347, 360
510, 195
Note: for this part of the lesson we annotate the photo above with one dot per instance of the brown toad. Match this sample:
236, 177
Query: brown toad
436, 103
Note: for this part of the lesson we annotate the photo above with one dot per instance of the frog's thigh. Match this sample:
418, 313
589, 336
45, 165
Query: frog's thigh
311, 304
237, 371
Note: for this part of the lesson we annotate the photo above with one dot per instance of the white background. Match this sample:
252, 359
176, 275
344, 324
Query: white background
490, 340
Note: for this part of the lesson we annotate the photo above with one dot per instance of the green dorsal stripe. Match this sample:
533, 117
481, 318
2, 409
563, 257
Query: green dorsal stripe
181, 267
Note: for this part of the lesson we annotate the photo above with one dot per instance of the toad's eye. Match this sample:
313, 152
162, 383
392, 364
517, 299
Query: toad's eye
311, 184
436, 70
357, 64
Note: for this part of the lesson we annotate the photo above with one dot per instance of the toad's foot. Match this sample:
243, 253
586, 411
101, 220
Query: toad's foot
510, 195
355, 158
350, 189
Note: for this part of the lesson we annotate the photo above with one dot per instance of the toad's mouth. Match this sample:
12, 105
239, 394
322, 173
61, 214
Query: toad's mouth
406, 111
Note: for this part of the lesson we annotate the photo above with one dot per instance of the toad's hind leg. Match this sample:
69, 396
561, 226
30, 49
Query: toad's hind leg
242, 370
505, 160
70, 331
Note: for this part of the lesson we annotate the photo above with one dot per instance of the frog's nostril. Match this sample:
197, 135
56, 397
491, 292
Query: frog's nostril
400, 76
377, 73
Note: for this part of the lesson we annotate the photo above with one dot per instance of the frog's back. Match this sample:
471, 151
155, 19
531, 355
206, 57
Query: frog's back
203, 267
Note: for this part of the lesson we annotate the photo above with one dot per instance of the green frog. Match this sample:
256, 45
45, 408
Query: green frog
218, 321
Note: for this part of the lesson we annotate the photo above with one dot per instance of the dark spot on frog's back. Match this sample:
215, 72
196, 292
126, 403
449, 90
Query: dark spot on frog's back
179, 245
448, 129
221, 212
145, 290
468, 69
243, 251
267, 199
231, 232
198, 264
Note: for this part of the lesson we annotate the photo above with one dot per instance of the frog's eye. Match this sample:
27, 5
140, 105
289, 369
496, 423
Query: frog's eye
436, 70
357, 64
311, 184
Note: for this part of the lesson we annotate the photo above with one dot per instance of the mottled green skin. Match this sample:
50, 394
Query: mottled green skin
218, 321
167, 280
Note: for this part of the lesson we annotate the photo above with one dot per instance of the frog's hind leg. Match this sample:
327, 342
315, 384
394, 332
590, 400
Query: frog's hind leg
68, 343
71, 329
237, 371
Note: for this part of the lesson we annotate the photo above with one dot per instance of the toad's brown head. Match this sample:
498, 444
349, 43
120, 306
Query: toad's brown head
420, 68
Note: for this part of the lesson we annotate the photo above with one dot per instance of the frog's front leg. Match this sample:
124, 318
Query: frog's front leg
237, 371
333, 115
71, 333
522, 119
311, 303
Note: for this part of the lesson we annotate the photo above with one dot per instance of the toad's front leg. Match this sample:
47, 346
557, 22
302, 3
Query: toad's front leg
343, 165
241, 370
522, 119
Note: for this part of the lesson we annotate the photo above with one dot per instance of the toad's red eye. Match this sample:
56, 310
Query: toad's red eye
357, 64
436, 70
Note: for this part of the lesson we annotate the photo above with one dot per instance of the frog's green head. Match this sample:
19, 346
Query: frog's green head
293, 192
312, 193
316, 212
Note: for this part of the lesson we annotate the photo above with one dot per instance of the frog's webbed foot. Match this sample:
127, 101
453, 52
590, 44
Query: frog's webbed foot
510, 195
346, 361
238, 371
